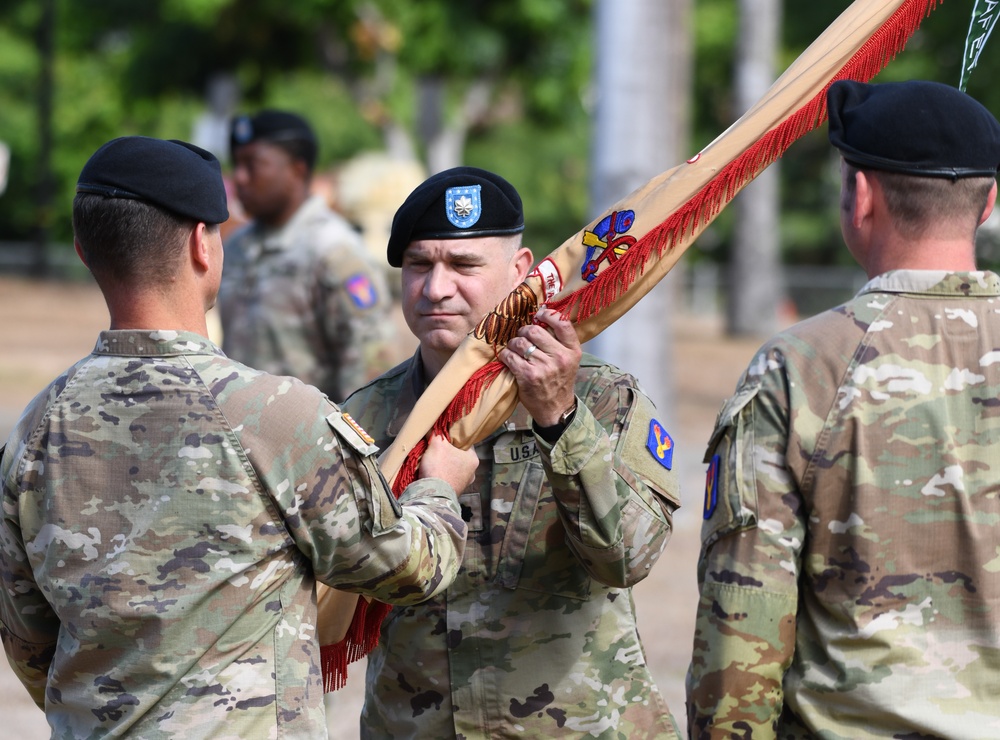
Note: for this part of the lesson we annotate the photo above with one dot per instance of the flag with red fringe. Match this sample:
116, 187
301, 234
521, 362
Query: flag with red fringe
603, 270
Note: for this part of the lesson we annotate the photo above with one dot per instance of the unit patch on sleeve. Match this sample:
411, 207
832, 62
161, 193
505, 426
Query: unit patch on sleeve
711, 487
361, 290
660, 444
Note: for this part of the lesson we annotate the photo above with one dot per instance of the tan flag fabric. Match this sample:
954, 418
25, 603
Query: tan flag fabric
604, 269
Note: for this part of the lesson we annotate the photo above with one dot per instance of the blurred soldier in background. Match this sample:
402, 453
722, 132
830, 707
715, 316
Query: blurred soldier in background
300, 293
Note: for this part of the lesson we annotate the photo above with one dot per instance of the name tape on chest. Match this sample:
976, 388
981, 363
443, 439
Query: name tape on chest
352, 433
515, 453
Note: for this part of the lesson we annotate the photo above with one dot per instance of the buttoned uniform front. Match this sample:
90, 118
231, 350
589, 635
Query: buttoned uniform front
537, 636
306, 300
850, 573
166, 512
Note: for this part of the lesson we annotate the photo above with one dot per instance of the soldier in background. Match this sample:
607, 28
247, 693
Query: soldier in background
369, 189
167, 510
850, 582
300, 294
571, 506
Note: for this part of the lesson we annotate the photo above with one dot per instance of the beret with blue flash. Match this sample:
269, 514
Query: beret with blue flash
459, 203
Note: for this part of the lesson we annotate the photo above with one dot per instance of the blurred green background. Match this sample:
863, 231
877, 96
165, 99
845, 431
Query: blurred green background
513, 79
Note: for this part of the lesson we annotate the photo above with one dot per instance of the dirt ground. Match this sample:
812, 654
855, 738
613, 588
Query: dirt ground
48, 326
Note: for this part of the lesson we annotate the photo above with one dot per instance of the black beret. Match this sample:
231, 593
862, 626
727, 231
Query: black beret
459, 203
173, 175
920, 128
275, 126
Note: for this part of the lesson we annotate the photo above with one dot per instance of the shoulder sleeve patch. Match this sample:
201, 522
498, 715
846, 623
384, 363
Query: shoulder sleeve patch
648, 450
660, 444
361, 290
351, 432
711, 488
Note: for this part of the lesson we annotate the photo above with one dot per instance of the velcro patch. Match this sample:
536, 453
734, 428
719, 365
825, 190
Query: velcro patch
711, 487
361, 290
515, 453
660, 444
352, 433
472, 510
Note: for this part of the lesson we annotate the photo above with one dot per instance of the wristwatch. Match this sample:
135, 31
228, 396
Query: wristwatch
552, 433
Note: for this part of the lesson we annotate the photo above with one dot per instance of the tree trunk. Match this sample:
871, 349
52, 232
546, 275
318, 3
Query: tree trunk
755, 285
643, 81
444, 136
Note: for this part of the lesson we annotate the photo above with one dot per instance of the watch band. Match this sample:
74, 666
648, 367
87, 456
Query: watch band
552, 433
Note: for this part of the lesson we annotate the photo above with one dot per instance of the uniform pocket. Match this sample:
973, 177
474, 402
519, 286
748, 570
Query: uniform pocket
534, 555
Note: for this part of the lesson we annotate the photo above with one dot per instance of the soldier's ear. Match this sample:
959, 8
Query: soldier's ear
863, 199
523, 261
301, 169
199, 247
991, 201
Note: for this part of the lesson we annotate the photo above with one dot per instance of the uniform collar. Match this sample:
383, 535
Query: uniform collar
412, 386
937, 282
153, 343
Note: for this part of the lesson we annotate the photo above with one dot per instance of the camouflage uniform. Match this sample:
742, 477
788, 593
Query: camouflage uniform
537, 636
165, 513
305, 300
850, 578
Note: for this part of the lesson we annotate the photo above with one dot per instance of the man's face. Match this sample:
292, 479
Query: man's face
265, 177
449, 285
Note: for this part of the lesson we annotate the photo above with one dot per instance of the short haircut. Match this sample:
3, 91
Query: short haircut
918, 203
510, 243
128, 242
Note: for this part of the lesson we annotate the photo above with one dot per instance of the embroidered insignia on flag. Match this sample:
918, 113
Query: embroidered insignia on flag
607, 242
548, 272
361, 290
463, 205
660, 444
711, 487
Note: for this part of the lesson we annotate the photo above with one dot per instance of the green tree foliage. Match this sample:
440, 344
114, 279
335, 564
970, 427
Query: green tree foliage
809, 174
353, 66
356, 68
